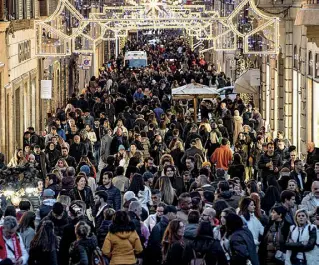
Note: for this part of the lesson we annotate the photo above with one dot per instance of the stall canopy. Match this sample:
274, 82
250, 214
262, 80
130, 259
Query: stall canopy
194, 91
248, 82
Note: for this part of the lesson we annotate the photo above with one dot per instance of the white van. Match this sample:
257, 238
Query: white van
135, 59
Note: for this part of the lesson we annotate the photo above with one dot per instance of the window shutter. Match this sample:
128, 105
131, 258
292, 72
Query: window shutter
29, 12
20, 9
36, 9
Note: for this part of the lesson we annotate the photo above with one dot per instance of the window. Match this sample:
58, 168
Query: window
316, 66
296, 57
310, 64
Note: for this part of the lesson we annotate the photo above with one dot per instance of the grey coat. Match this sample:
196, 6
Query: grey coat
27, 236
105, 147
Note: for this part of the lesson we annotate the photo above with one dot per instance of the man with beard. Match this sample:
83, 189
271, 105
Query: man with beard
118, 139
69, 159
282, 150
184, 205
78, 149
113, 193
270, 163
312, 175
41, 161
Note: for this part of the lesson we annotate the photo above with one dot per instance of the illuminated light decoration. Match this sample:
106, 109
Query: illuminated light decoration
76, 28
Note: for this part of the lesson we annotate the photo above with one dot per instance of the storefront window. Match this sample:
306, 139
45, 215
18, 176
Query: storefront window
310, 64
317, 66
296, 57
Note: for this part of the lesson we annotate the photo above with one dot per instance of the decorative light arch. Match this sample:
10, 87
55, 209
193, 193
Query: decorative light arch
67, 30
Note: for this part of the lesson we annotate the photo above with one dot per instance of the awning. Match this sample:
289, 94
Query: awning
248, 82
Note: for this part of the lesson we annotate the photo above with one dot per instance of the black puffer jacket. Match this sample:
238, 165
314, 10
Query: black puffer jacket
153, 254
81, 251
113, 196
59, 224
205, 246
242, 248
102, 231
69, 237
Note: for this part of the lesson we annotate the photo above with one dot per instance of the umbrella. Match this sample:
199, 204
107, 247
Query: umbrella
194, 91
248, 82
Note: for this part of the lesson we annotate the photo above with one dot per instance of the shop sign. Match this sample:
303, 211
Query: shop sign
46, 89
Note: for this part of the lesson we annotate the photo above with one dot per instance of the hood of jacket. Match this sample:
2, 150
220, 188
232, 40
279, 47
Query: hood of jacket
226, 194
88, 243
190, 231
122, 231
203, 244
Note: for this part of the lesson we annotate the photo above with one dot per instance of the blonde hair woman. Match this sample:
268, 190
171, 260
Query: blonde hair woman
238, 125
301, 242
18, 159
167, 191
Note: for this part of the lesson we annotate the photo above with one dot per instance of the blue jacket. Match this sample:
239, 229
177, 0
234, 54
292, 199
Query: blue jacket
113, 196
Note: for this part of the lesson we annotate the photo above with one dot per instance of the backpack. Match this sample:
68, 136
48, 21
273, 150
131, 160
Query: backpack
97, 257
196, 260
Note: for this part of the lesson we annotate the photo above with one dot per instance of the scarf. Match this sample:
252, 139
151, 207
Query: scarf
3, 247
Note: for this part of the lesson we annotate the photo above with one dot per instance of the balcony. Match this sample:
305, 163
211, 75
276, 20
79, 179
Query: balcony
308, 16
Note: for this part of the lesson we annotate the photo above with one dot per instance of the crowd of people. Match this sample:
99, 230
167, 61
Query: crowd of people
125, 176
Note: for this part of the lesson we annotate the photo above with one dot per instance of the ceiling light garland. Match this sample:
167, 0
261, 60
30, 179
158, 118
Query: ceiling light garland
75, 28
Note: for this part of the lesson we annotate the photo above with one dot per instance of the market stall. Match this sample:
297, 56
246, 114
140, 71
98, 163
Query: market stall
194, 91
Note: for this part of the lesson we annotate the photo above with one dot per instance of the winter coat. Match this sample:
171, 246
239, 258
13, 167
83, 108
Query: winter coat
146, 147
68, 183
38, 256
192, 151
151, 221
69, 237
190, 231
309, 203
45, 208
230, 198
81, 251
154, 246
242, 248
59, 224
102, 231
105, 146
113, 196
121, 244
222, 156
264, 159
77, 151
98, 214
144, 197
88, 196
296, 244
174, 253
116, 142
205, 246
238, 127
27, 236
254, 226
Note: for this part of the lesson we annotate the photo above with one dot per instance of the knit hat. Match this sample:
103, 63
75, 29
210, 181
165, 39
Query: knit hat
85, 169
206, 164
121, 147
48, 193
